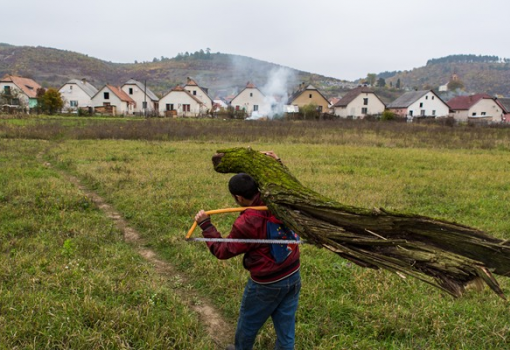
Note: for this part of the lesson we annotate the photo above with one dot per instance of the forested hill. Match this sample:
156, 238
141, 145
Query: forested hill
216, 71
227, 73
489, 74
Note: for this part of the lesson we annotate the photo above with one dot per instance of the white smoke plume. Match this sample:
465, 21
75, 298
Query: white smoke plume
276, 92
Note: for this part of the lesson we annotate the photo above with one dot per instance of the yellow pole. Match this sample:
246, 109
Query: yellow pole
222, 211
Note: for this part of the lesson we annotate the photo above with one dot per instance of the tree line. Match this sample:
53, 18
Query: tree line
468, 59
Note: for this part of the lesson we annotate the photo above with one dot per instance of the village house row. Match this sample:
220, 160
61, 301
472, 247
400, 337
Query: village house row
191, 100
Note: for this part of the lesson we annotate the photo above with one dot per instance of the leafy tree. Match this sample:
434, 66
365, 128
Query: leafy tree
309, 111
381, 82
371, 78
398, 84
388, 115
49, 101
455, 85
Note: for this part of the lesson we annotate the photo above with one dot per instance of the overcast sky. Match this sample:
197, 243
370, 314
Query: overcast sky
335, 38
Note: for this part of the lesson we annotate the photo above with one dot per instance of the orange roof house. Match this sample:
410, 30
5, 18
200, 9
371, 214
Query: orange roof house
26, 87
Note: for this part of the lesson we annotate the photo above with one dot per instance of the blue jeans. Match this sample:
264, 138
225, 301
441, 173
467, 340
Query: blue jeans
278, 300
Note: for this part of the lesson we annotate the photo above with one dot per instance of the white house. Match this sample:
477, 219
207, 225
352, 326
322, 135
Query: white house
358, 103
19, 92
112, 100
476, 107
180, 103
146, 100
77, 94
415, 104
199, 92
251, 100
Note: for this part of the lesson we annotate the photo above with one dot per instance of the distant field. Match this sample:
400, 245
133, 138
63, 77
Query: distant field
71, 281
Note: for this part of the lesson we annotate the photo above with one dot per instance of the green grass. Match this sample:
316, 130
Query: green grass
46, 225
68, 281
159, 186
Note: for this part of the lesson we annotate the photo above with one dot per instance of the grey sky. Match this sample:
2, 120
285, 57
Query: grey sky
341, 39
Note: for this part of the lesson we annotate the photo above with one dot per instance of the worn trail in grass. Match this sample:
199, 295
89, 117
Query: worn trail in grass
220, 331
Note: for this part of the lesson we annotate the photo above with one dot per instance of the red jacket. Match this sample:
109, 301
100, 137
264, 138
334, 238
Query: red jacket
251, 224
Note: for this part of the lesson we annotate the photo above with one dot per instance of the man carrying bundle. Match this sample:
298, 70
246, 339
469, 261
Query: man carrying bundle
274, 284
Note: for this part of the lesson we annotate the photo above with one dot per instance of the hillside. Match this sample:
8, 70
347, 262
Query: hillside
217, 71
490, 75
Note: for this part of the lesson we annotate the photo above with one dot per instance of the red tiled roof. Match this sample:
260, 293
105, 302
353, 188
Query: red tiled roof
28, 86
250, 85
191, 82
465, 102
121, 94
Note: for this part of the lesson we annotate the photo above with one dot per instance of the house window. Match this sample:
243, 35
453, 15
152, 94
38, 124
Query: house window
474, 113
310, 95
432, 97
364, 110
319, 109
421, 104
422, 112
73, 103
169, 106
186, 108
410, 113
106, 95
131, 91
426, 97
71, 87
15, 101
251, 94
483, 113
194, 92
7, 90
237, 108
433, 112
365, 101
255, 108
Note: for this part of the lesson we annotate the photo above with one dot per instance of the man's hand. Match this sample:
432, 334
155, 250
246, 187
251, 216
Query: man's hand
271, 154
201, 216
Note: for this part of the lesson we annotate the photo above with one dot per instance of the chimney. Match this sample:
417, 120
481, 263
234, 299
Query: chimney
83, 80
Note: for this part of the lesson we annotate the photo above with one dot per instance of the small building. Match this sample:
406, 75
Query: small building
77, 93
419, 104
112, 100
477, 107
199, 92
358, 103
147, 103
19, 92
178, 102
309, 95
250, 100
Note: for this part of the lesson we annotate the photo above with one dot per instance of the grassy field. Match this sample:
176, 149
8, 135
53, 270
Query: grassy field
70, 281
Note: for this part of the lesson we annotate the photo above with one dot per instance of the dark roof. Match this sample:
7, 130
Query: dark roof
151, 94
407, 99
87, 87
465, 102
351, 95
504, 103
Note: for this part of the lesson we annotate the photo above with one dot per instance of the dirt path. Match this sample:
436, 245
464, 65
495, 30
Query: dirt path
220, 331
